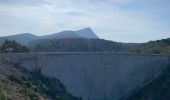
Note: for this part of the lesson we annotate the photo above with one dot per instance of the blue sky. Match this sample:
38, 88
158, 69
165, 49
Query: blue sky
117, 20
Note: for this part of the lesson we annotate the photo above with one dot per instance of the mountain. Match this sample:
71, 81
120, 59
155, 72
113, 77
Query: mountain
85, 40
25, 38
83, 33
21, 38
61, 35
87, 33
75, 45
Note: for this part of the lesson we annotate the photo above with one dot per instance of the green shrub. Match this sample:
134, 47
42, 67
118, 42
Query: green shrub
33, 96
15, 79
58, 97
3, 96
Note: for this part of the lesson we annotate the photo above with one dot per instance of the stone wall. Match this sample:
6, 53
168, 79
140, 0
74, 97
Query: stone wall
96, 76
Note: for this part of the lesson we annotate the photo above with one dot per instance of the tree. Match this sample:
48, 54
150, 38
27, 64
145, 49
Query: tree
13, 47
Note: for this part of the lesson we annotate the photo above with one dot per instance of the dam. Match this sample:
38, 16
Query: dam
96, 76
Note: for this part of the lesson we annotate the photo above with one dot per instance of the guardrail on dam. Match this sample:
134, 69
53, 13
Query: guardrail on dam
96, 76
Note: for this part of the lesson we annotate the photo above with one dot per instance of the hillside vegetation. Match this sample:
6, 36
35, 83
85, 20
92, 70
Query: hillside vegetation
75, 45
87, 45
26, 38
100, 45
13, 47
83, 40
155, 47
17, 83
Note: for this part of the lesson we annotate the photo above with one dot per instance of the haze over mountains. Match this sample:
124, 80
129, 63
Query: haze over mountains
25, 38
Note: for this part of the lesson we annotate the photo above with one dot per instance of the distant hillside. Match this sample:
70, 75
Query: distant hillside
155, 47
85, 40
25, 38
75, 45
61, 35
83, 33
21, 38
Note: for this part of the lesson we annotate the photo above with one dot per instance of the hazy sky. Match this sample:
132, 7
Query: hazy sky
117, 20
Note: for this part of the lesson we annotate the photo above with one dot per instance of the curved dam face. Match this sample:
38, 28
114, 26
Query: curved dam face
96, 76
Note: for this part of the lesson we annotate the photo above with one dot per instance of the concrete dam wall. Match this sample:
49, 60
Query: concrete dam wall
96, 76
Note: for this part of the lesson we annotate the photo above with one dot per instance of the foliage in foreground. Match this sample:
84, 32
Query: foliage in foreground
17, 83
48, 86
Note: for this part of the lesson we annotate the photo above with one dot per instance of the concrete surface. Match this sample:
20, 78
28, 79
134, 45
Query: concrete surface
96, 76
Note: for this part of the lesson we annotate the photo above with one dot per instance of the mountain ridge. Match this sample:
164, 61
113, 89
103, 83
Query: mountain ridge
22, 38
87, 32
25, 38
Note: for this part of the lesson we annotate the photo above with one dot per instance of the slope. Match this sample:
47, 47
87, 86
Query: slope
159, 89
25, 38
155, 47
75, 45
61, 35
21, 38
17, 83
87, 33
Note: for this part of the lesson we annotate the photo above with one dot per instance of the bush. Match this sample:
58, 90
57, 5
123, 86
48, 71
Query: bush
58, 97
15, 79
33, 96
3, 96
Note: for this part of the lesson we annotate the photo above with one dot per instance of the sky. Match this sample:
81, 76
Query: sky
117, 20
